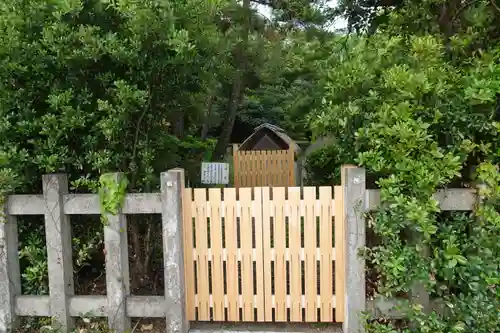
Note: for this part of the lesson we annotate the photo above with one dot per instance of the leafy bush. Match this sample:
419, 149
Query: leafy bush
422, 123
322, 166
89, 87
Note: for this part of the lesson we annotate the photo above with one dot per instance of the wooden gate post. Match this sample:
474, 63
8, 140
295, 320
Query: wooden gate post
354, 183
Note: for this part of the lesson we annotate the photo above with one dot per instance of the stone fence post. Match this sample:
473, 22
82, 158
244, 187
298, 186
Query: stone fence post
10, 277
354, 183
59, 250
172, 191
117, 265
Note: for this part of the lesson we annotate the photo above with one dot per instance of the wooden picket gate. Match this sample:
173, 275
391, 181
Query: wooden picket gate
270, 254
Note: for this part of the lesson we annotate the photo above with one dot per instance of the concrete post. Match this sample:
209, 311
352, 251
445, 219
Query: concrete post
59, 251
354, 183
10, 277
117, 267
172, 189
418, 293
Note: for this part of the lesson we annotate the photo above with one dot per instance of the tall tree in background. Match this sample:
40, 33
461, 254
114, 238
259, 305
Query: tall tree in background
90, 86
249, 57
240, 64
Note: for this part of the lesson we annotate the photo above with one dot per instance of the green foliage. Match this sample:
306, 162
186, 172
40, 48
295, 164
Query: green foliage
111, 194
423, 122
33, 256
89, 87
322, 166
67, 86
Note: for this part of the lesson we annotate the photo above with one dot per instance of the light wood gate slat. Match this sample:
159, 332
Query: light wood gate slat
294, 249
249, 168
339, 254
246, 253
281, 168
231, 253
187, 203
280, 278
236, 167
259, 256
291, 167
287, 166
214, 195
243, 168
325, 197
202, 254
265, 167
270, 171
310, 235
267, 255
255, 169
278, 166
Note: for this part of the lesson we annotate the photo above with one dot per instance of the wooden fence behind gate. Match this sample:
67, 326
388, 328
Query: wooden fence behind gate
272, 254
264, 168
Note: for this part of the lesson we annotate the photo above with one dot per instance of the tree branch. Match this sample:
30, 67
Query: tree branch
461, 9
495, 5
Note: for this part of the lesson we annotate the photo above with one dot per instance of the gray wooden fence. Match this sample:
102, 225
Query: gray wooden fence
57, 205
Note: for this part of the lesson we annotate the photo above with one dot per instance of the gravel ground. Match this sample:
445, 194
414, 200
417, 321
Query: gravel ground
265, 328
158, 326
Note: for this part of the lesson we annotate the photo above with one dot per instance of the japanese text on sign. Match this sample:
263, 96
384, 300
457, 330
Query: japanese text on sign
215, 173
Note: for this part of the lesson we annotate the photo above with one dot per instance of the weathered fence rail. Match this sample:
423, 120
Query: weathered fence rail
57, 205
119, 306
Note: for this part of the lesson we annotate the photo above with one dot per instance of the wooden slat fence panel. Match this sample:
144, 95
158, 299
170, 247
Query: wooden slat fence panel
254, 168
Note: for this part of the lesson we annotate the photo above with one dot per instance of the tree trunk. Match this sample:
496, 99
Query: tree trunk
237, 89
206, 126
228, 124
179, 126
